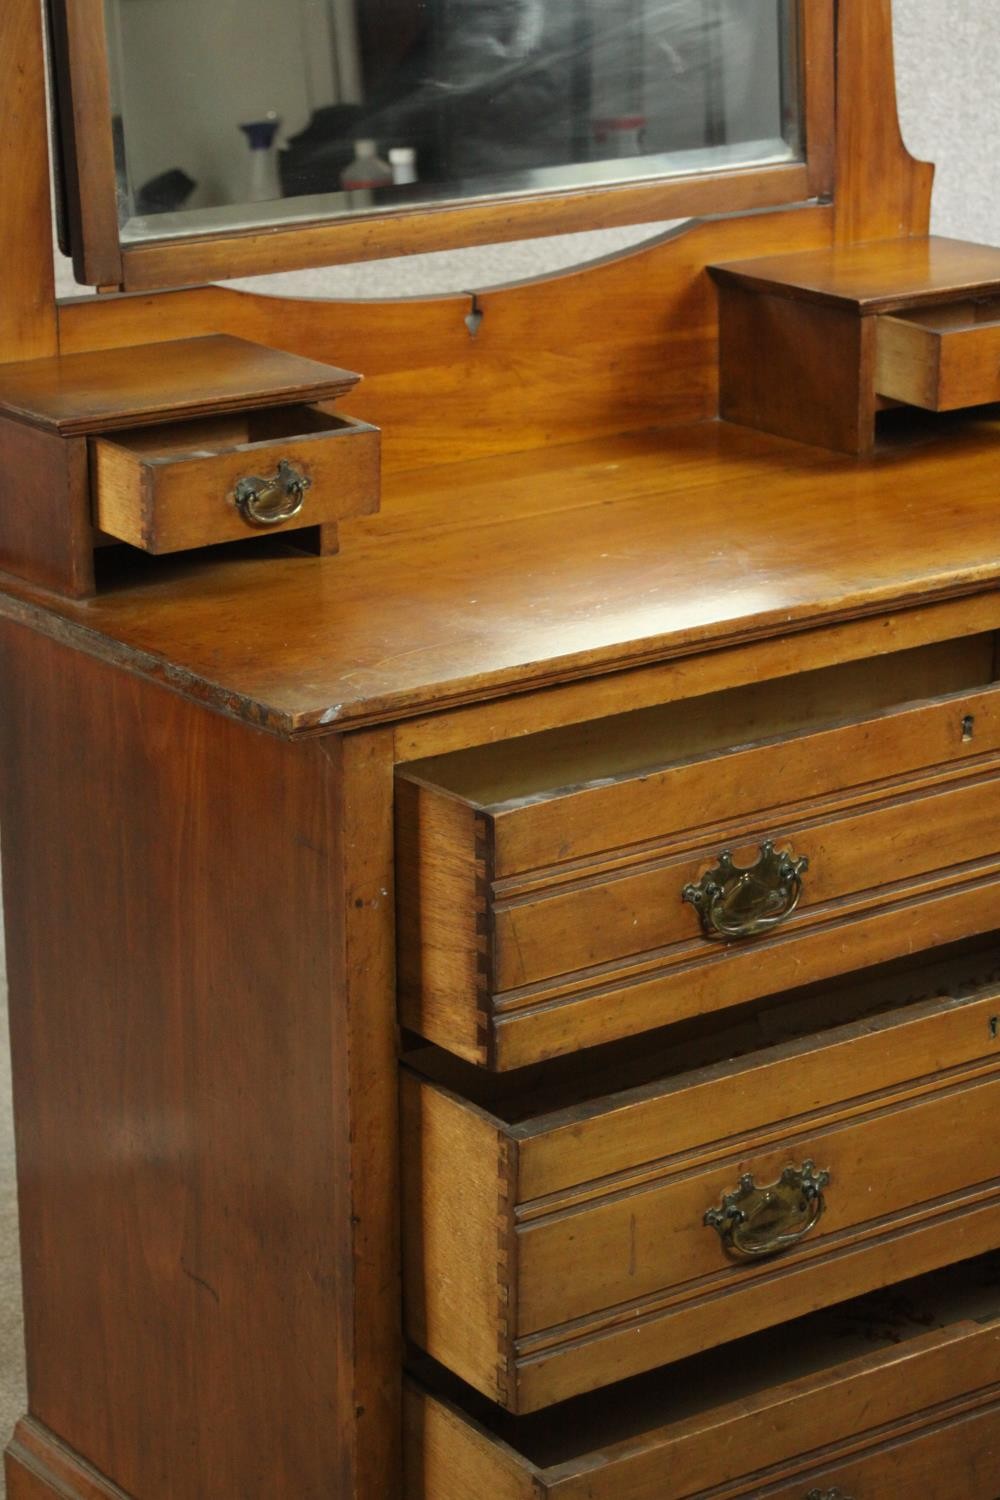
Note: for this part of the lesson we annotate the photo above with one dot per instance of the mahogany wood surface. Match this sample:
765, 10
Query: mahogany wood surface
881, 192
205, 1091
627, 570
46, 532
28, 321
138, 385
736, 1427
882, 277
624, 343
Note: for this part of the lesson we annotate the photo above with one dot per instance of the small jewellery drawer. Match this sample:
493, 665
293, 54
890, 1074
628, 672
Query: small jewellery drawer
221, 479
550, 902
940, 358
637, 1228
893, 1396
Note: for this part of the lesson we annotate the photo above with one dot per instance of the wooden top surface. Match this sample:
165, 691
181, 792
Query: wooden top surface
874, 278
118, 388
486, 577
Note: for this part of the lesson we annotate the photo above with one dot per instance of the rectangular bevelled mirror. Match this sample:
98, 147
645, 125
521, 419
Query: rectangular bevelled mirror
222, 119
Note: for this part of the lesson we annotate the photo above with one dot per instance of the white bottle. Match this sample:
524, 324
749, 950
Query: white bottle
367, 170
403, 161
263, 178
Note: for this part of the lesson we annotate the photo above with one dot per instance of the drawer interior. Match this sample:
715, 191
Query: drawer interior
953, 317
206, 437
599, 1074
678, 733
779, 1402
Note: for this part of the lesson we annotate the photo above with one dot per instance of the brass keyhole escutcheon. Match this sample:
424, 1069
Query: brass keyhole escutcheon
271, 502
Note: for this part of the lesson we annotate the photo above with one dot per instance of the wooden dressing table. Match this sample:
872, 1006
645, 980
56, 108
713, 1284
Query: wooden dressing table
504, 966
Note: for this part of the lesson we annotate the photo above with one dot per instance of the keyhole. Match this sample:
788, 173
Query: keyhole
995, 1027
968, 729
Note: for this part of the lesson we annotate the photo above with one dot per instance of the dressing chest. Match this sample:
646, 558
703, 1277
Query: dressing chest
500, 862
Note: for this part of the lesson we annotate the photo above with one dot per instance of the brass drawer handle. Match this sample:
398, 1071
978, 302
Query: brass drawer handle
735, 902
828, 1495
756, 1222
269, 502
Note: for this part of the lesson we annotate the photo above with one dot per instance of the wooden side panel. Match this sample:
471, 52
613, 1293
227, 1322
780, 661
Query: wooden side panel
28, 328
622, 345
448, 1458
798, 370
458, 1208
46, 534
442, 858
882, 192
202, 1039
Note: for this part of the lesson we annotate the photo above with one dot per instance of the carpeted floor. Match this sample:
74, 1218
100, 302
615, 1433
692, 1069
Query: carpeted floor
12, 1398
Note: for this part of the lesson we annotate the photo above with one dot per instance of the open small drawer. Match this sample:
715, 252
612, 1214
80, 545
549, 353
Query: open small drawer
220, 479
174, 446
940, 358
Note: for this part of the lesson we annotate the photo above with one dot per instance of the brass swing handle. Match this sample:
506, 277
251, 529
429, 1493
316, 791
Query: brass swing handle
756, 1222
270, 502
828, 1495
742, 902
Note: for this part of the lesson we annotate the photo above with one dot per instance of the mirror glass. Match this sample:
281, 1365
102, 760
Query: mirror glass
235, 113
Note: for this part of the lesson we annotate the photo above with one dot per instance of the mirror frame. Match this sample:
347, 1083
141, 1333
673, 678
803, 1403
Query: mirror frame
82, 109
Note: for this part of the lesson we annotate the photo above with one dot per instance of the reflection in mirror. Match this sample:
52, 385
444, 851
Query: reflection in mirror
242, 112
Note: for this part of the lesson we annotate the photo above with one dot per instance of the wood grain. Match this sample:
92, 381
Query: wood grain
722, 1430
625, 343
619, 1190
138, 385
83, 85
46, 533
882, 192
403, 623
797, 369
884, 277
942, 361
208, 1196
28, 327
165, 500
657, 686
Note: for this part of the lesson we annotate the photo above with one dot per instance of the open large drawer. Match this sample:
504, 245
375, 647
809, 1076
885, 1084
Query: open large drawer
701, 1190
561, 893
893, 1397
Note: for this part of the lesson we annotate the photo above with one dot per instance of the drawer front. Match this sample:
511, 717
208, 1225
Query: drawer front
641, 1195
921, 1421
940, 359
195, 484
958, 1458
568, 920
